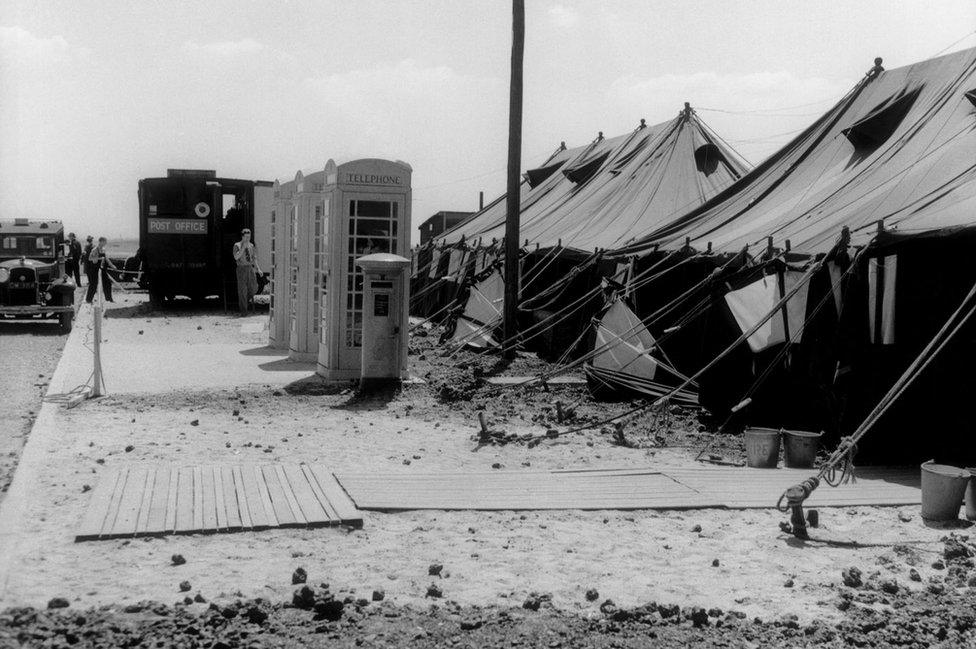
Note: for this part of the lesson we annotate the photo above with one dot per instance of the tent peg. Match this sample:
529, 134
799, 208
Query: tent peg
563, 413
769, 245
559, 243
526, 243
687, 242
881, 227
643, 123
709, 249
787, 245
537, 246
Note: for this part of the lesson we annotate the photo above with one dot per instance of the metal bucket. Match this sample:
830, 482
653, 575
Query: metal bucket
970, 498
800, 448
943, 488
762, 447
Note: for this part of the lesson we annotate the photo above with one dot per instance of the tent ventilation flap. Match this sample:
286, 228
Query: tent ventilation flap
871, 131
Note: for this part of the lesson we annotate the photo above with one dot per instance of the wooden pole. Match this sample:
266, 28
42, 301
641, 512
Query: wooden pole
97, 351
510, 319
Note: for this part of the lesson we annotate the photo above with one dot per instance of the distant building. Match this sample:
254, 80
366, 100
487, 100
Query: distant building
441, 222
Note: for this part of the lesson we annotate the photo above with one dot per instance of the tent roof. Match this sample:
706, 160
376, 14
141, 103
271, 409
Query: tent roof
899, 147
614, 190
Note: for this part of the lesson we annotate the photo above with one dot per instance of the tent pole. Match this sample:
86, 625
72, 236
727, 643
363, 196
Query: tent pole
514, 168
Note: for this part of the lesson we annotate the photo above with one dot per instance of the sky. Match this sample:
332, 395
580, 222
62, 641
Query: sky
95, 95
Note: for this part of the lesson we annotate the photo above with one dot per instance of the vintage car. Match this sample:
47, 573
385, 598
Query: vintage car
33, 283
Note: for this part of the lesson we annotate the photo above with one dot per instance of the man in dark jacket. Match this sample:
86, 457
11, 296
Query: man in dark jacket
86, 253
72, 265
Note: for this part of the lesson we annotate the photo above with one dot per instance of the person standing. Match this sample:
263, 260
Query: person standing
86, 253
247, 281
72, 265
98, 265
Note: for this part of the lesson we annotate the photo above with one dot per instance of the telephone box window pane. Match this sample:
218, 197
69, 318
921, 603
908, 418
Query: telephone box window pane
352, 208
373, 227
374, 208
394, 205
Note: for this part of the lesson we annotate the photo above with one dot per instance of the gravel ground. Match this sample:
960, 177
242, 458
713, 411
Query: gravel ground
29, 352
876, 613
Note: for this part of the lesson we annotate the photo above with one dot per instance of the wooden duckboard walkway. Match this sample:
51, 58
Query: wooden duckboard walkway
640, 488
166, 499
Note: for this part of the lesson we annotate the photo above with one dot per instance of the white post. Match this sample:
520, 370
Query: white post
97, 382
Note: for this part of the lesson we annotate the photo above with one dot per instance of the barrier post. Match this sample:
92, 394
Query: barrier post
97, 347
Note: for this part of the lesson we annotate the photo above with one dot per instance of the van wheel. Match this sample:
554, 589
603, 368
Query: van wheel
155, 298
65, 320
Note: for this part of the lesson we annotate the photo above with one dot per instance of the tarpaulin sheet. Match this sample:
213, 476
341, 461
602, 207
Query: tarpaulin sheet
482, 313
753, 302
625, 342
886, 268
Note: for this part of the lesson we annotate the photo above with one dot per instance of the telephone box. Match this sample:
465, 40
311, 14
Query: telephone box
307, 222
385, 319
369, 204
279, 312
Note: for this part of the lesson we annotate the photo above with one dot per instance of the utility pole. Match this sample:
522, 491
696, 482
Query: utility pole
510, 319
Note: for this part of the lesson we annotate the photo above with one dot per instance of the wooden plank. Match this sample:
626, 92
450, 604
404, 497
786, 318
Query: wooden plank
197, 500
98, 506
320, 495
340, 502
219, 502
264, 496
171, 498
289, 494
286, 517
209, 499
143, 523
156, 522
312, 510
128, 516
113, 508
184, 501
243, 507
261, 518
230, 478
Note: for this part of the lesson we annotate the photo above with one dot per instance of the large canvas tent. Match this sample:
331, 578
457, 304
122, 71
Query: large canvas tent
869, 212
615, 190
576, 206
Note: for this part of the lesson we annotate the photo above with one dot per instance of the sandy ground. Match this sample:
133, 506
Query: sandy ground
29, 352
488, 558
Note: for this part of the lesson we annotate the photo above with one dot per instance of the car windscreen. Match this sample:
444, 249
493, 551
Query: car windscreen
24, 245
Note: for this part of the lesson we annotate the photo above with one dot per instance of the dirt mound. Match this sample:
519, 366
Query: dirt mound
920, 620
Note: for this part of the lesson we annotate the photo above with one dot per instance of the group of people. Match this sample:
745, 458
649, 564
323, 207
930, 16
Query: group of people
95, 262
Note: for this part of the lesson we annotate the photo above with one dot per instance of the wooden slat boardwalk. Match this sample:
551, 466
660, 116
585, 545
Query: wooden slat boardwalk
155, 500
697, 487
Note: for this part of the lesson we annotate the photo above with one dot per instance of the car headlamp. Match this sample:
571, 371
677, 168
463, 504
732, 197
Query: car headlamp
4, 275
